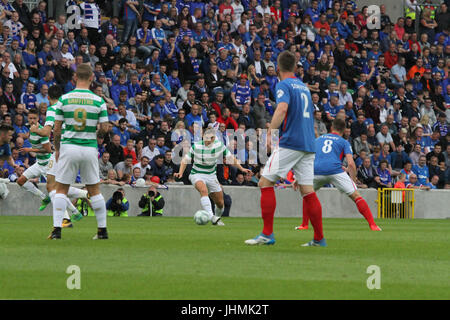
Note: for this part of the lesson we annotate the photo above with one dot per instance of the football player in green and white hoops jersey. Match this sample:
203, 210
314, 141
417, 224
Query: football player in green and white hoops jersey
80, 111
205, 155
54, 93
42, 148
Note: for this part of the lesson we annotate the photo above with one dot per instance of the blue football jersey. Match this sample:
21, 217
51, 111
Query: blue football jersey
330, 151
297, 129
5, 150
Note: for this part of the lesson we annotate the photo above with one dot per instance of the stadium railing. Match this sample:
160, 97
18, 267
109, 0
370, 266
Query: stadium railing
395, 203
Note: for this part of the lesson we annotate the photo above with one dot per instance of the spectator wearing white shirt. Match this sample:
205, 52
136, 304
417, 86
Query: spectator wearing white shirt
264, 7
150, 151
144, 164
9, 66
385, 137
344, 96
398, 72
238, 9
66, 54
14, 24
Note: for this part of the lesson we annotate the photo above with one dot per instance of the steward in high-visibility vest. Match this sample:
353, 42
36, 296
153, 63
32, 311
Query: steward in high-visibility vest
410, 10
431, 7
152, 203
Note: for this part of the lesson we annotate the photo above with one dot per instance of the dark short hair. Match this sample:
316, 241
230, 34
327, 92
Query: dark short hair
6, 128
55, 92
33, 111
123, 120
287, 61
339, 125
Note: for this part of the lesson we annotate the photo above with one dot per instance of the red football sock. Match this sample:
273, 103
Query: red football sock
305, 219
312, 206
268, 205
364, 209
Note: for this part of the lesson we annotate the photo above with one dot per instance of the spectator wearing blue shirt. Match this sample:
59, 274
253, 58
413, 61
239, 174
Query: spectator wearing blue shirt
28, 98
343, 28
122, 131
119, 87
174, 82
161, 145
130, 17
322, 39
49, 80
313, 11
133, 86
151, 11
332, 108
241, 92
421, 170
415, 184
157, 88
384, 174
158, 35
223, 61
194, 116
113, 116
42, 96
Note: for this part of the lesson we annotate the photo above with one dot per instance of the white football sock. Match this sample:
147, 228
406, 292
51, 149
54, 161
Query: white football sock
66, 215
52, 195
99, 206
32, 189
59, 207
71, 207
206, 204
219, 211
76, 193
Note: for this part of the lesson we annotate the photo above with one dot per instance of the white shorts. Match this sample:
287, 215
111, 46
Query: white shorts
210, 180
282, 160
341, 181
74, 159
36, 171
52, 166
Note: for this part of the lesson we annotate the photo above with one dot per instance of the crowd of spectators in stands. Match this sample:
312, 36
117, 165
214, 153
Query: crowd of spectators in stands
168, 68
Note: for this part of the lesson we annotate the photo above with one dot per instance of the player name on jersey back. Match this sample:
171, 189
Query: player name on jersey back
297, 129
330, 151
81, 110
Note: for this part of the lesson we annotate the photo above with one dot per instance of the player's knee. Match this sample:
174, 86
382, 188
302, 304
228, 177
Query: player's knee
355, 195
21, 181
264, 183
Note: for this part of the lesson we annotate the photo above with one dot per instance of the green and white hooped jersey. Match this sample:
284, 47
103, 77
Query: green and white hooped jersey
37, 142
50, 118
81, 110
205, 157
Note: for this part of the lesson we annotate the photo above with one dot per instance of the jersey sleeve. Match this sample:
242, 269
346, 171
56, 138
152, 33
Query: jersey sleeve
348, 148
50, 117
225, 151
103, 116
44, 140
190, 155
59, 114
282, 92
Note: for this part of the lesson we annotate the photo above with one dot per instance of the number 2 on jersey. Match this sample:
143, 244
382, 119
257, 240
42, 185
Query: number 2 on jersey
80, 116
305, 101
327, 146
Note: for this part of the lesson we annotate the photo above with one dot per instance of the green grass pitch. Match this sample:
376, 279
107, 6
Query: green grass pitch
172, 258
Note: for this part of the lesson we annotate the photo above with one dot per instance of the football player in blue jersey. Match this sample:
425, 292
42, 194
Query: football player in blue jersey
331, 149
